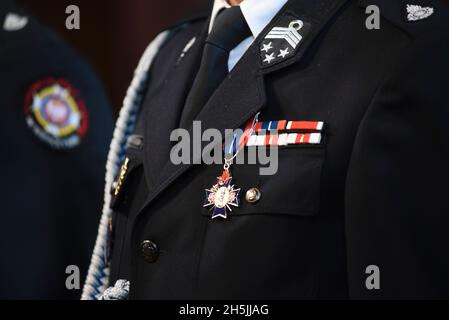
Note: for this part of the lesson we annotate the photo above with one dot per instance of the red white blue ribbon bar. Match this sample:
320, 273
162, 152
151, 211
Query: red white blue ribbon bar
284, 125
284, 139
250, 138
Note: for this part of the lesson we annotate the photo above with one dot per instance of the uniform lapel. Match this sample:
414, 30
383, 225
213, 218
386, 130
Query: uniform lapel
162, 109
239, 96
242, 93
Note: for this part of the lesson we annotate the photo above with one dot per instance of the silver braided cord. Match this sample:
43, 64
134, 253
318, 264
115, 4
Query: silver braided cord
97, 280
119, 291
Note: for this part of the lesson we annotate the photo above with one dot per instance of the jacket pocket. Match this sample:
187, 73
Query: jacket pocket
295, 189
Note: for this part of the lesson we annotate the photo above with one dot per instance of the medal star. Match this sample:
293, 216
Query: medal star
283, 53
267, 47
221, 197
269, 57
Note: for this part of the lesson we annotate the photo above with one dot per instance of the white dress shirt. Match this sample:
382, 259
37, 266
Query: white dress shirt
257, 13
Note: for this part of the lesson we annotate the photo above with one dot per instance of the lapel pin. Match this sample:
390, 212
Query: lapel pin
415, 12
186, 49
14, 22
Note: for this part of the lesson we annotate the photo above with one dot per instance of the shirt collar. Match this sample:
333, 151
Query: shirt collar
257, 13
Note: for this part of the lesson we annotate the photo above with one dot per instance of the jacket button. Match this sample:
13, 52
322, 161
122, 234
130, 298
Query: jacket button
149, 251
253, 195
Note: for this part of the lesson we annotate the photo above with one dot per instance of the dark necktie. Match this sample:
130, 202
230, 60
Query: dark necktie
229, 29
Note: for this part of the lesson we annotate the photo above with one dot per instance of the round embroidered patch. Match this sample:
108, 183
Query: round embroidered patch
56, 113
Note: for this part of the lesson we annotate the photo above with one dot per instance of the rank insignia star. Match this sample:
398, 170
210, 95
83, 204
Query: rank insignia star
283, 53
222, 196
267, 47
283, 40
269, 57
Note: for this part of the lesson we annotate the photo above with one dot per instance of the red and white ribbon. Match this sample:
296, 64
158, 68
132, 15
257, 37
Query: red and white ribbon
284, 139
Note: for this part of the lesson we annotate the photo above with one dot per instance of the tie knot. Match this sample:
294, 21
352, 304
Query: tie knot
229, 29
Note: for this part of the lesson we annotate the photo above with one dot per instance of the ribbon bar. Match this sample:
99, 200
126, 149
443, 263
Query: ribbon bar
284, 139
283, 125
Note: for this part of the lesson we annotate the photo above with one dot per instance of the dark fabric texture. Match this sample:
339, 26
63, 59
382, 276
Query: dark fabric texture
229, 29
373, 193
51, 200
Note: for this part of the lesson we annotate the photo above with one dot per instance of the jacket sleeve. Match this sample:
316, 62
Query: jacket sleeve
397, 188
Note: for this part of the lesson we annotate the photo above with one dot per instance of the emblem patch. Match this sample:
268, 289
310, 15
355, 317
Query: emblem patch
283, 40
56, 113
415, 12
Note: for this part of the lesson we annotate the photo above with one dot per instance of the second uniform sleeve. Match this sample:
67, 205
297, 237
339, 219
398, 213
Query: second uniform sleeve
397, 191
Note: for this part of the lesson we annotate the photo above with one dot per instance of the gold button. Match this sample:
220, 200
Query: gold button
253, 195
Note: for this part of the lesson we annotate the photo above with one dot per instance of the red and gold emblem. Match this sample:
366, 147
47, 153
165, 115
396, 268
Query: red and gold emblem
56, 113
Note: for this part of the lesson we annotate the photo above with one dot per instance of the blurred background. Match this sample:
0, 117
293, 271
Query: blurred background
113, 33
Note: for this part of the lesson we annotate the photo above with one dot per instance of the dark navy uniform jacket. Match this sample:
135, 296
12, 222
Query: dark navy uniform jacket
374, 192
55, 127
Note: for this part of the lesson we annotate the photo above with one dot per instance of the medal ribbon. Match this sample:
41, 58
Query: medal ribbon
239, 140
